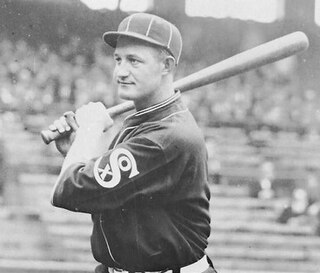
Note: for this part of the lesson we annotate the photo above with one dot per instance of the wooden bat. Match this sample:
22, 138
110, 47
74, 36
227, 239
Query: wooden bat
263, 54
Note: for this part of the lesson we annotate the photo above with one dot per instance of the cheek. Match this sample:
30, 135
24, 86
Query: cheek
148, 76
153, 74
114, 74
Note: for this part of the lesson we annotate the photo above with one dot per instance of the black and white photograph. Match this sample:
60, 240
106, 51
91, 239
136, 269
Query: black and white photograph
142, 136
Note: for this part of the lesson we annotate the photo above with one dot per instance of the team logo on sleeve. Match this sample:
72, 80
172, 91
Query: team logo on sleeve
121, 161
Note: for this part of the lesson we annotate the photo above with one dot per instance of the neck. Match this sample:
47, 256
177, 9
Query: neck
165, 91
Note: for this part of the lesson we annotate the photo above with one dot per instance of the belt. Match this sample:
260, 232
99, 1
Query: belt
197, 267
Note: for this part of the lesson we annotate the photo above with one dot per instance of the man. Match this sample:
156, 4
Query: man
148, 192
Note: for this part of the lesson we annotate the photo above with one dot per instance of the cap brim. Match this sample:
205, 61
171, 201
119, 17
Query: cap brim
111, 38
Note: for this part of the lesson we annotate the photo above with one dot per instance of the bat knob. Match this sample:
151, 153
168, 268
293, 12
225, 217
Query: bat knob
49, 136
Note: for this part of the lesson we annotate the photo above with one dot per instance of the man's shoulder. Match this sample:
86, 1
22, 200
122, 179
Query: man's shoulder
177, 130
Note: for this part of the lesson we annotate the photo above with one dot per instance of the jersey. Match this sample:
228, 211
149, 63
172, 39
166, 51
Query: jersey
148, 193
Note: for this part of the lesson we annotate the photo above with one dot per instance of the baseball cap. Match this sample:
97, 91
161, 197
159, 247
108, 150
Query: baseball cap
149, 28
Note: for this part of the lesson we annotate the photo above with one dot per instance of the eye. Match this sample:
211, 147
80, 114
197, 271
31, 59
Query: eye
134, 61
117, 60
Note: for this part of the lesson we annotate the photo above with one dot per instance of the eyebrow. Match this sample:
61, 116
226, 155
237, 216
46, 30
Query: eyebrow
115, 54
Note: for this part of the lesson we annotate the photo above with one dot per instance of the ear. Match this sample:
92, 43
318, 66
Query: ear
169, 65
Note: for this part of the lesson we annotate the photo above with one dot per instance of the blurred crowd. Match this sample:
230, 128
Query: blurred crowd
303, 207
48, 81
43, 80
38, 80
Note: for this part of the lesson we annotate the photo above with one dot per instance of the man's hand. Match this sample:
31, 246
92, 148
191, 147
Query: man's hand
63, 125
90, 121
91, 138
93, 116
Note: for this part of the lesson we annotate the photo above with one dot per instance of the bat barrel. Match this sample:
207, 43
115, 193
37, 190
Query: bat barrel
266, 53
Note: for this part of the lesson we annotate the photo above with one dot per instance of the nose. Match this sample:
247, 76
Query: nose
121, 71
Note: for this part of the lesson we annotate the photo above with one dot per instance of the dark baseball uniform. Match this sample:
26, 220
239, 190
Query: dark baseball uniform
148, 193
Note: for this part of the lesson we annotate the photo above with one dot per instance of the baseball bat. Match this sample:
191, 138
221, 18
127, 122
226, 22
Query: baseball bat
263, 54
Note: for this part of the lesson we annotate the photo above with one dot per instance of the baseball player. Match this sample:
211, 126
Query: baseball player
148, 192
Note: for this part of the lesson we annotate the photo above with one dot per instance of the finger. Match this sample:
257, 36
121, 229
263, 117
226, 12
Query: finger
101, 104
64, 123
73, 124
52, 127
57, 123
71, 121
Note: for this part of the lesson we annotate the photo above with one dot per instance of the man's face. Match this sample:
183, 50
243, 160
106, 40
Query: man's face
138, 71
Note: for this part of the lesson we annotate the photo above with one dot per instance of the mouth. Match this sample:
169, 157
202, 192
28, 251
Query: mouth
124, 83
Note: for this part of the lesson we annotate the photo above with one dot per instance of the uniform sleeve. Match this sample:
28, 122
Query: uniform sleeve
135, 169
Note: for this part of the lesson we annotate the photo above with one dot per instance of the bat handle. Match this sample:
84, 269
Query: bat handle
49, 136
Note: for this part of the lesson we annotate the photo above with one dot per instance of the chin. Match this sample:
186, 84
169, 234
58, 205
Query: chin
125, 97
125, 94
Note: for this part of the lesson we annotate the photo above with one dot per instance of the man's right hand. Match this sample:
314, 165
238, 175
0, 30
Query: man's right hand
63, 125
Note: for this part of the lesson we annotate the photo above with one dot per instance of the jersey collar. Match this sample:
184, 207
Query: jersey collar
156, 107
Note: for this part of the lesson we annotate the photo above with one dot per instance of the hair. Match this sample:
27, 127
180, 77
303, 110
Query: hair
164, 53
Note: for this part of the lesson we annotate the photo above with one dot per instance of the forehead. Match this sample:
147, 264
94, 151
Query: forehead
135, 46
